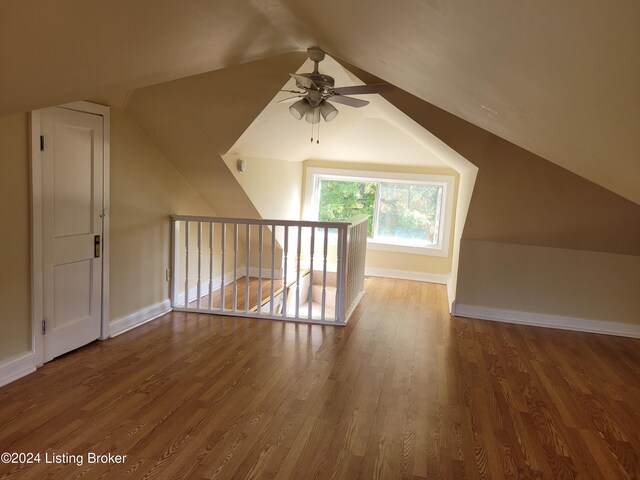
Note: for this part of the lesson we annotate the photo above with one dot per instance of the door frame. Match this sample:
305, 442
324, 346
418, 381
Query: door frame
37, 296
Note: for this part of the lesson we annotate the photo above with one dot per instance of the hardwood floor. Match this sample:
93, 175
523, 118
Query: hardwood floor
402, 392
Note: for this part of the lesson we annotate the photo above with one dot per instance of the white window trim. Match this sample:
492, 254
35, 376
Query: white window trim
314, 175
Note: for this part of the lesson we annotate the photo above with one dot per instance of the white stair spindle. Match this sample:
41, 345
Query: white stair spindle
324, 273
260, 246
235, 267
247, 247
223, 236
199, 293
210, 265
186, 264
285, 252
273, 267
310, 292
175, 260
298, 271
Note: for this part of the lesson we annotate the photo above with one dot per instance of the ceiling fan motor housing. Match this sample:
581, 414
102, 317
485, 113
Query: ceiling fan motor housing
325, 83
318, 91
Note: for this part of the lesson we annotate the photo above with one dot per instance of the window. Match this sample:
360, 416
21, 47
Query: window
407, 212
343, 199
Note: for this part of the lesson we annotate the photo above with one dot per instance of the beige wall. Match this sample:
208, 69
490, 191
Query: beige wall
573, 283
273, 186
145, 190
15, 237
406, 262
275, 189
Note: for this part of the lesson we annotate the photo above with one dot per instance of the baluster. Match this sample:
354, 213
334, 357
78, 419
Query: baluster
324, 273
198, 291
186, 265
311, 252
210, 265
284, 273
247, 247
363, 252
235, 267
222, 244
338, 273
260, 246
341, 271
175, 260
298, 271
273, 266
350, 264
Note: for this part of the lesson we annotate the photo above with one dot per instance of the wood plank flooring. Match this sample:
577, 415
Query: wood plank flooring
403, 392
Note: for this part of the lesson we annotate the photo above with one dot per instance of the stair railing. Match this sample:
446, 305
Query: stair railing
275, 269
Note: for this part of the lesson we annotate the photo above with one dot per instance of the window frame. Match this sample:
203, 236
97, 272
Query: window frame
447, 182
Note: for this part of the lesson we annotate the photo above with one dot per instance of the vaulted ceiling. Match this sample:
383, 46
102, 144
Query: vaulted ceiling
559, 79
366, 135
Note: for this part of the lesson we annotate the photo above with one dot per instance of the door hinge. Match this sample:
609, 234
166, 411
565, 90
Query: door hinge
44, 327
42, 143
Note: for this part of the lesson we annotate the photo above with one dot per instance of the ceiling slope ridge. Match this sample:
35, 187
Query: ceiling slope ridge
371, 78
620, 176
522, 198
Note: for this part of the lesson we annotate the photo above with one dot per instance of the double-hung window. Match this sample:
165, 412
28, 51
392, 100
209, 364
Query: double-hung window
409, 213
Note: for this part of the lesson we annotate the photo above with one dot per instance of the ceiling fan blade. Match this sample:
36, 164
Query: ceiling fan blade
302, 80
362, 89
352, 102
290, 99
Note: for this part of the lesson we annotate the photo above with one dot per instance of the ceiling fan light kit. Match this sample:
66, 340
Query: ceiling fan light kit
313, 116
328, 111
299, 109
317, 90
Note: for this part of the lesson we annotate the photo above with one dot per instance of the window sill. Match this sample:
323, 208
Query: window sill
390, 247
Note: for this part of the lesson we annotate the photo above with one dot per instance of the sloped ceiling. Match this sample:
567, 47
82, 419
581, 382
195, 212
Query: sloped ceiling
365, 135
559, 79
194, 120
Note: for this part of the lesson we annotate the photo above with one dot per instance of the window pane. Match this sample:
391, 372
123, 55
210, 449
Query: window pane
341, 200
409, 214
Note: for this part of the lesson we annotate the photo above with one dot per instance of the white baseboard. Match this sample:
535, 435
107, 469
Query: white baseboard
441, 278
137, 318
548, 321
17, 367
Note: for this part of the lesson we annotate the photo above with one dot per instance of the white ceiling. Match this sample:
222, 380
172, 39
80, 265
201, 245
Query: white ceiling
557, 78
366, 135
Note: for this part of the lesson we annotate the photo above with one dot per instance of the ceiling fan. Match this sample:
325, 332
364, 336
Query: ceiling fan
317, 93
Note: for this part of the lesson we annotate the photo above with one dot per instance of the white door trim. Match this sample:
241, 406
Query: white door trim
37, 299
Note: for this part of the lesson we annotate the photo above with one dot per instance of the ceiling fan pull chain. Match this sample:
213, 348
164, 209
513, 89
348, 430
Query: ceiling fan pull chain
318, 139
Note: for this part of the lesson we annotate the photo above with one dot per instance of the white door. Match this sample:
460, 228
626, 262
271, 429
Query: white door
72, 210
